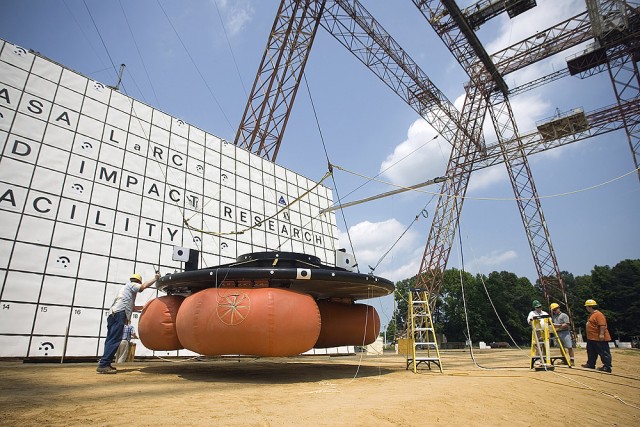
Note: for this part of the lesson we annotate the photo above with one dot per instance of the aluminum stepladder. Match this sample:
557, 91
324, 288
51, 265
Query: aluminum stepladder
422, 334
541, 330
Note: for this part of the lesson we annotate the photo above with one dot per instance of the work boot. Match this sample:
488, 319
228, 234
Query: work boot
604, 369
587, 366
106, 370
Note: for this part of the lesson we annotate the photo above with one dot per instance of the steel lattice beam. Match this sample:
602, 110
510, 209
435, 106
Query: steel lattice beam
528, 203
449, 23
544, 44
276, 84
485, 10
356, 29
617, 28
447, 212
601, 121
626, 84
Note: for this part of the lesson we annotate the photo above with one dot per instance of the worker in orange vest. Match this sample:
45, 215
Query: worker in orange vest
598, 338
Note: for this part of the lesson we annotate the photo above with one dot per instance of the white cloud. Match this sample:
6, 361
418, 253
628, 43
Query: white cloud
371, 240
492, 261
459, 102
404, 270
484, 178
528, 109
418, 158
236, 15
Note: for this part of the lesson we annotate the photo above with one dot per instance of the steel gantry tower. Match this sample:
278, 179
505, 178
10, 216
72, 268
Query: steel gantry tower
455, 31
616, 28
612, 24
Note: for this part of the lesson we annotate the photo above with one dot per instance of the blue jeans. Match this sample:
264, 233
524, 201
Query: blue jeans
115, 327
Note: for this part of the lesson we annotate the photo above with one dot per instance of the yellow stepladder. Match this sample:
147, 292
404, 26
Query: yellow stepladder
541, 330
422, 334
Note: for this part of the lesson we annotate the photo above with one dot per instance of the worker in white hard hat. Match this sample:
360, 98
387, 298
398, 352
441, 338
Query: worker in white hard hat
598, 338
562, 324
119, 315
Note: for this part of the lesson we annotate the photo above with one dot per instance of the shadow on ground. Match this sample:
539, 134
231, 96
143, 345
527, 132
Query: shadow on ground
263, 371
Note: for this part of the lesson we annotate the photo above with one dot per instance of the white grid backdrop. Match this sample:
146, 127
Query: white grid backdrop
95, 186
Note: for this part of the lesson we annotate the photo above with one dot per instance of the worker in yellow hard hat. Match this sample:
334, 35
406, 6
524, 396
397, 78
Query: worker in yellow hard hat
598, 338
119, 315
561, 322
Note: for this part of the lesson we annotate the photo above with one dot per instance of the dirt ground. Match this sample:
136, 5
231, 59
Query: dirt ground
348, 390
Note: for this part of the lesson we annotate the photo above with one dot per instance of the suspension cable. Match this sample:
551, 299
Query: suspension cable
424, 213
326, 153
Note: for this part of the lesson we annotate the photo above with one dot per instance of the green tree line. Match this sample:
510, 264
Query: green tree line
503, 298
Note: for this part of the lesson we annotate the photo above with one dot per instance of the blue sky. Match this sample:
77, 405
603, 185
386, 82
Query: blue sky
197, 60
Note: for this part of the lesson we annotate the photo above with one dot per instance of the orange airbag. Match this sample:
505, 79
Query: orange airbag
157, 325
347, 324
260, 322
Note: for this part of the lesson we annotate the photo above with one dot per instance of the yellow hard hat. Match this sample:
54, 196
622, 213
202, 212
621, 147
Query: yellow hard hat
553, 306
136, 276
590, 303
